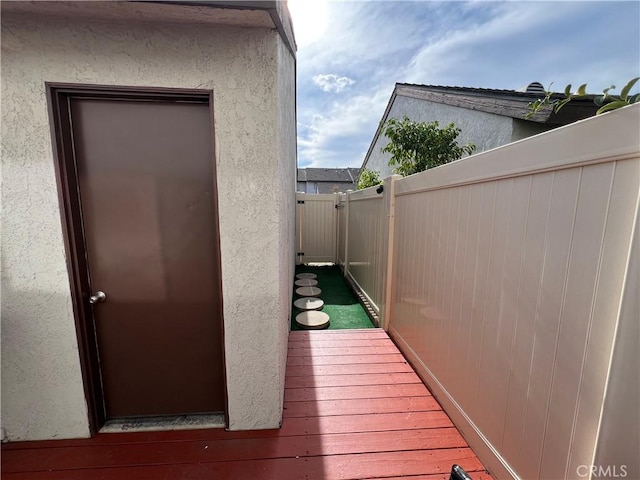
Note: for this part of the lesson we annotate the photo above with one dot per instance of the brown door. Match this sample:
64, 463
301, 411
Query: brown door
145, 178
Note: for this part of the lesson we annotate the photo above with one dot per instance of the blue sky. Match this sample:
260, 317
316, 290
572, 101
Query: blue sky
351, 53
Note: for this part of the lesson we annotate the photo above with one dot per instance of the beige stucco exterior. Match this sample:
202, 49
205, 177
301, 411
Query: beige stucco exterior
485, 129
252, 74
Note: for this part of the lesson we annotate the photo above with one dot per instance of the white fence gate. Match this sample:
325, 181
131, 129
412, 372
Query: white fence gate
316, 231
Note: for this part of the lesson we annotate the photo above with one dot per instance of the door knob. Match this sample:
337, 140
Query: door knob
99, 297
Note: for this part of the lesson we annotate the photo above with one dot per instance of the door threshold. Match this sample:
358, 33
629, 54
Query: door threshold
154, 424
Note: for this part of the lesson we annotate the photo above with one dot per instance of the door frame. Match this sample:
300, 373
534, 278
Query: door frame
58, 102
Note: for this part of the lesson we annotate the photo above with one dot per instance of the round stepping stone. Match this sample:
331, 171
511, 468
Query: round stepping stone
308, 291
308, 303
312, 320
306, 282
306, 275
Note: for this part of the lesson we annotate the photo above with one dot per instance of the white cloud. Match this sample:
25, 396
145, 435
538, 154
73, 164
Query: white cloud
514, 43
341, 135
458, 49
470, 44
332, 83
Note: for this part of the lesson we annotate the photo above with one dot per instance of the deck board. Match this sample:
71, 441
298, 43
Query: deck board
344, 360
357, 334
320, 350
352, 380
326, 408
362, 391
352, 410
347, 369
349, 342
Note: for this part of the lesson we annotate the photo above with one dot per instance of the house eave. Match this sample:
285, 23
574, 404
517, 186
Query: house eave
258, 14
276, 9
491, 103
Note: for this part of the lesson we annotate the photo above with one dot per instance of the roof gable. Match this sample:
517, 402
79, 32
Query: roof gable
509, 103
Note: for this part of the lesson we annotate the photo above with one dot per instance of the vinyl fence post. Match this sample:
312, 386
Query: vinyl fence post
347, 199
389, 212
299, 219
336, 224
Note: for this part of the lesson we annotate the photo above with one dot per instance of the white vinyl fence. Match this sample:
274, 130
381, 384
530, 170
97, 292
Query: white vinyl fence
350, 230
365, 250
507, 287
317, 228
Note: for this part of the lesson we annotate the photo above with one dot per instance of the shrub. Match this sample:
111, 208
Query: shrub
368, 178
418, 146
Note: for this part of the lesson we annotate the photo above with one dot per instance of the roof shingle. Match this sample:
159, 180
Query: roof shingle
327, 174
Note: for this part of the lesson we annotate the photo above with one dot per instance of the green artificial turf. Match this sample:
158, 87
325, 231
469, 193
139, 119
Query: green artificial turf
339, 302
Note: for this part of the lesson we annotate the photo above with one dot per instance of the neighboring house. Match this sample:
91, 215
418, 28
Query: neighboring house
487, 118
326, 180
137, 141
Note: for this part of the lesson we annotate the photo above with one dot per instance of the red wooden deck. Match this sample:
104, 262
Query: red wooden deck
353, 409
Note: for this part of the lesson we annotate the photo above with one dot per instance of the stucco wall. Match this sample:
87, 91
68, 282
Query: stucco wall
485, 130
286, 181
42, 394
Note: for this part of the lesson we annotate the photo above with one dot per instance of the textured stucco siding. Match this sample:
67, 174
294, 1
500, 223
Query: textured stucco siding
42, 395
286, 180
485, 130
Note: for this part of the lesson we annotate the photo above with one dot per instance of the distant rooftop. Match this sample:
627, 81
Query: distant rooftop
326, 180
340, 175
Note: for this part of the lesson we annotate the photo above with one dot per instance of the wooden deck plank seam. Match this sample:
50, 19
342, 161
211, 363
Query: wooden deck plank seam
196, 441
356, 385
329, 374
421, 394
160, 464
434, 409
346, 362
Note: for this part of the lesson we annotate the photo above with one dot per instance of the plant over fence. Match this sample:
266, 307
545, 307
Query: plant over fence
606, 101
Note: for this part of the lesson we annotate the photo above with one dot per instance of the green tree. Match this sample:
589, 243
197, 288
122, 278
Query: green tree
606, 101
368, 178
418, 146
